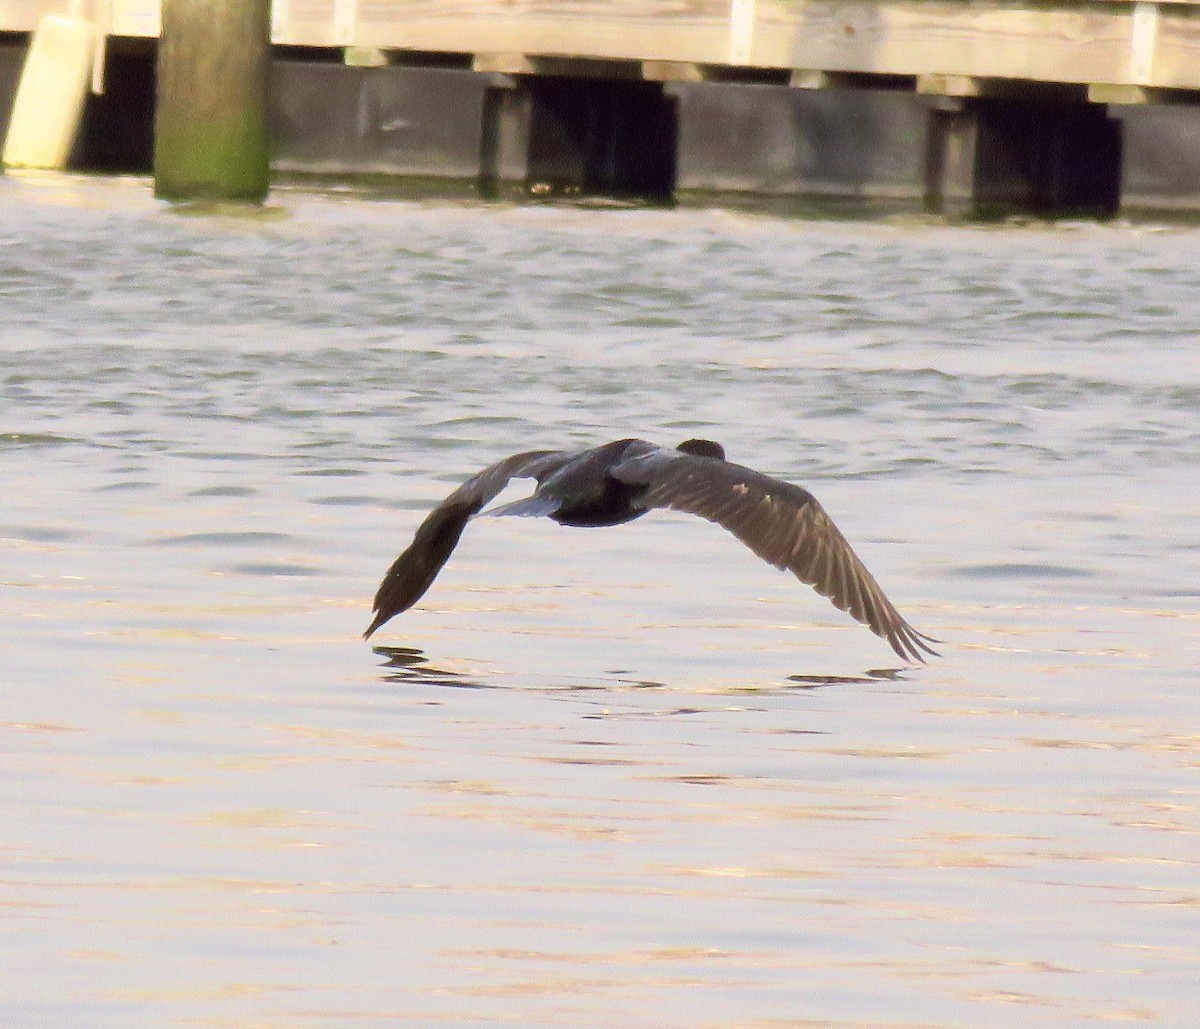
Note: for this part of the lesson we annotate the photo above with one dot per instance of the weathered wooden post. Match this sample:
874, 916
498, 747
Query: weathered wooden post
210, 124
50, 97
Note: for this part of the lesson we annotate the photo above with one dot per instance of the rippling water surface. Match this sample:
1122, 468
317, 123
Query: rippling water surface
626, 777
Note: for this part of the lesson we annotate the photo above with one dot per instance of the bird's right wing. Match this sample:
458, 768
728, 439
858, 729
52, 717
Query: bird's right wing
413, 572
782, 523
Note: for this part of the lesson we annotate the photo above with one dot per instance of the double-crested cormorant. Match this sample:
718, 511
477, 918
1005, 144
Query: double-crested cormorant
620, 481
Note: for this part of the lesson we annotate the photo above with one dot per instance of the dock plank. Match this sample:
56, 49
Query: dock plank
655, 30
1153, 45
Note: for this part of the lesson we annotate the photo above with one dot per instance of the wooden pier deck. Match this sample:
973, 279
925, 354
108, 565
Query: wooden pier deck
1111, 50
978, 106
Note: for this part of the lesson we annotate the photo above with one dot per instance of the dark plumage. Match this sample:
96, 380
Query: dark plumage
620, 481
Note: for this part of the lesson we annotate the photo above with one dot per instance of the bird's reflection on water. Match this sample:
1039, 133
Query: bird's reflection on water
410, 665
812, 682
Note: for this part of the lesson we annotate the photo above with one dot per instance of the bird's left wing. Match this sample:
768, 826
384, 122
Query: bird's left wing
782, 523
413, 572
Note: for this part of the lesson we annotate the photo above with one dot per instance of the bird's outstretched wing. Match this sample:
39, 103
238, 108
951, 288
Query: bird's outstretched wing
413, 572
783, 524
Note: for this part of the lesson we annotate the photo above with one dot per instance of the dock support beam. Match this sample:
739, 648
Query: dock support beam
210, 126
504, 139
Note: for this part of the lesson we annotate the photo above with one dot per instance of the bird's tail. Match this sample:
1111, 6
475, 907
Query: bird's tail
529, 507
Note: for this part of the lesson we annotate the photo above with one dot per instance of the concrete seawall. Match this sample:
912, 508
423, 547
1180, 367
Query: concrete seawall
1043, 154
1044, 151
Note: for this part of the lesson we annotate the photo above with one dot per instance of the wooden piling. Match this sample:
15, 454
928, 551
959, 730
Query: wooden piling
51, 94
210, 126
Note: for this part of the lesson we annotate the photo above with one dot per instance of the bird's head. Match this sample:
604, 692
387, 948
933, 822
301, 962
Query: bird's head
702, 448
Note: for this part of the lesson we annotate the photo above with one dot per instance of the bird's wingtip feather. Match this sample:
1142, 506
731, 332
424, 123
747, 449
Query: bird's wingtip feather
376, 622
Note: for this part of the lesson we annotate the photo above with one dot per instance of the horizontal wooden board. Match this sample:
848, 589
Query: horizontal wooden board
1115, 42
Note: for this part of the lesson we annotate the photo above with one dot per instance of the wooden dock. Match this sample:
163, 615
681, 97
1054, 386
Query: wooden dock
1116, 50
960, 105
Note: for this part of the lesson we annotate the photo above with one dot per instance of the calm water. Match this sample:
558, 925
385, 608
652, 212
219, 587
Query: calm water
605, 778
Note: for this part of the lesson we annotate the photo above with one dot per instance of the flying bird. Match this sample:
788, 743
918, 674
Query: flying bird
623, 480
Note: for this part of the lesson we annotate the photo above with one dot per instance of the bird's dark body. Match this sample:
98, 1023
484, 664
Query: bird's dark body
590, 497
623, 480
613, 507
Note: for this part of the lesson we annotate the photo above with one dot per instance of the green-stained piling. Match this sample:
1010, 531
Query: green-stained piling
210, 125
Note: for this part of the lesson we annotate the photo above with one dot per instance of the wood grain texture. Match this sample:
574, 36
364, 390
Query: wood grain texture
24, 15
135, 18
1069, 44
653, 30
1069, 41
